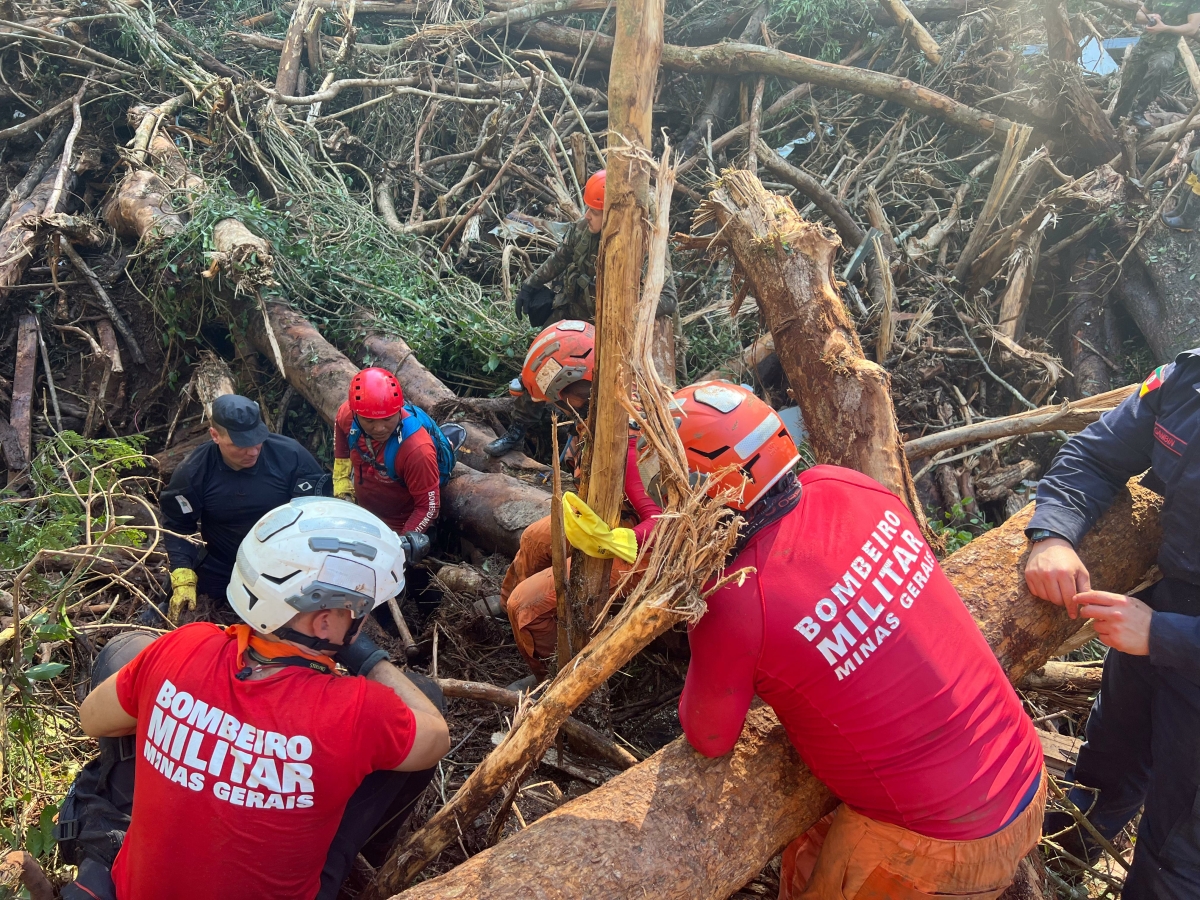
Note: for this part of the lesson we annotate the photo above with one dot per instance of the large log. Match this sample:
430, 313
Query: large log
682, 826
787, 264
490, 510
732, 58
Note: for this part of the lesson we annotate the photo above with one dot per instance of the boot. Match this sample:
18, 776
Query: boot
508, 441
1138, 120
1186, 216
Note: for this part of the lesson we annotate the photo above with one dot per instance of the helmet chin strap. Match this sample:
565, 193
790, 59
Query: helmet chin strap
320, 644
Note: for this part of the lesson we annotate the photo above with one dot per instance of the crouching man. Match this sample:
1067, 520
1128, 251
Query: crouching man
851, 632
259, 772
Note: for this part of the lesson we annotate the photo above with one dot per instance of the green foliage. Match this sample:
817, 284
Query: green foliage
958, 527
67, 468
339, 266
809, 23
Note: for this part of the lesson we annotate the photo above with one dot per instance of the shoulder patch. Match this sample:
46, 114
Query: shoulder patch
1153, 382
184, 505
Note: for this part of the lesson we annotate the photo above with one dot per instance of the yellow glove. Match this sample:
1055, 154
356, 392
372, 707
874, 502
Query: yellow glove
343, 480
586, 531
184, 583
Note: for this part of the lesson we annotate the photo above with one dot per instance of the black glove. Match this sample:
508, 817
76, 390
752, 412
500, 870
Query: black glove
524, 298
362, 656
416, 547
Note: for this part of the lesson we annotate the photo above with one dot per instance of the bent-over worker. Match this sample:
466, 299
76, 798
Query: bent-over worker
260, 772
848, 628
564, 287
224, 488
558, 369
1143, 734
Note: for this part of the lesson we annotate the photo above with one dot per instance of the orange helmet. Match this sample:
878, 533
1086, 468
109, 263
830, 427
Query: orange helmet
593, 191
375, 394
724, 425
561, 355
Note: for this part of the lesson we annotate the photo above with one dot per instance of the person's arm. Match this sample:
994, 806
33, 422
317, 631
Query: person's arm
432, 740
101, 714
180, 507
1187, 29
419, 470
557, 262
668, 300
635, 492
719, 687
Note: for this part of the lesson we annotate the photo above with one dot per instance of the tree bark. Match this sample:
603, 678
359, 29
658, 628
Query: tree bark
733, 58
788, 265
17, 240
1087, 328
1063, 676
682, 826
631, 86
1160, 294
914, 30
288, 76
24, 373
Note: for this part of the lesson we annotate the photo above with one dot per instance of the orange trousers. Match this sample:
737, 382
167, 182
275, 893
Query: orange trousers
530, 600
847, 856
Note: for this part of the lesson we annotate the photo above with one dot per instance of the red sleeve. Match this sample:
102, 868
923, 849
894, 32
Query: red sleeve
387, 726
131, 676
635, 492
341, 432
419, 470
719, 688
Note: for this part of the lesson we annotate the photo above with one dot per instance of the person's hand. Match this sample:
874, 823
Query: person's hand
524, 298
1056, 573
1156, 25
343, 480
183, 581
416, 546
361, 655
1121, 622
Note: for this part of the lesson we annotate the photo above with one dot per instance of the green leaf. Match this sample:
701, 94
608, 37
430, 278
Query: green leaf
45, 671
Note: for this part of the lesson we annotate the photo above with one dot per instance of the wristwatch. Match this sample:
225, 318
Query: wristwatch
1037, 535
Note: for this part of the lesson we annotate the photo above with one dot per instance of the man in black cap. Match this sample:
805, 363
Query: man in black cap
226, 487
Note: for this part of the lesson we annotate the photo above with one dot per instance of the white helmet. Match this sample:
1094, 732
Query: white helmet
314, 553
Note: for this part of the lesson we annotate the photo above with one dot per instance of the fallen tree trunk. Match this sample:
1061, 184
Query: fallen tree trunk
427, 391
1159, 292
1063, 676
733, 58
682, 826
787, 264
491, 510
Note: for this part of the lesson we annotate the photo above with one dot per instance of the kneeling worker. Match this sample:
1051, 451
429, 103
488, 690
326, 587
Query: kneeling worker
558, 369
225, 487
851, 632
259, 771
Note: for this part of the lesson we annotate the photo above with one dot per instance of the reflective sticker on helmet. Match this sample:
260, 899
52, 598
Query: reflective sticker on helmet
720, 397
749, 445
333, 523
275, 521
349, 575
244, 569
546, 374
572, 325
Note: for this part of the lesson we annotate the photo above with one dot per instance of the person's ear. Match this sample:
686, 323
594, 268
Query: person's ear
214, 434
321, 624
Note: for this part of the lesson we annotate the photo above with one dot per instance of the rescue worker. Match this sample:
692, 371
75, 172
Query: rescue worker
260, 772
225, 487
1143, 734
847, 627
1152, 59
571, 270
380, 464
558, 369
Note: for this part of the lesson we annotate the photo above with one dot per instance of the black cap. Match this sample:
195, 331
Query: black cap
240, 417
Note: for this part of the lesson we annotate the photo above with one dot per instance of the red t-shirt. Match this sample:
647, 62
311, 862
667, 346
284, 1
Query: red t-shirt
240, 785
408, 504
855, 637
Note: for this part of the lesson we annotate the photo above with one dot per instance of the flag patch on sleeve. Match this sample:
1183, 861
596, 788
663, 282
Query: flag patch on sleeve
1153, 382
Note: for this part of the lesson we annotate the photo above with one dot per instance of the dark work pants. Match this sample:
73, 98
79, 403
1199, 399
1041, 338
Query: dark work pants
373, 815
1143, 748
1142, 80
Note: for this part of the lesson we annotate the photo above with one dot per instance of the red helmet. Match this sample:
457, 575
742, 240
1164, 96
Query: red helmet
723, 426
561, 355
593, 191
375, 394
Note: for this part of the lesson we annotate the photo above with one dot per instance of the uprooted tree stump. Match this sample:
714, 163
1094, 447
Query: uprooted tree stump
786, 262
680, 825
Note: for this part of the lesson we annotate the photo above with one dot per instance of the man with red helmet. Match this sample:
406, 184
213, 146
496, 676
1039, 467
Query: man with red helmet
848, 628
558, 369
379, 464
563, 287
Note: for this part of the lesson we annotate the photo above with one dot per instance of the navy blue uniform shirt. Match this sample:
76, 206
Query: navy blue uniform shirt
1157, 429
227, 503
